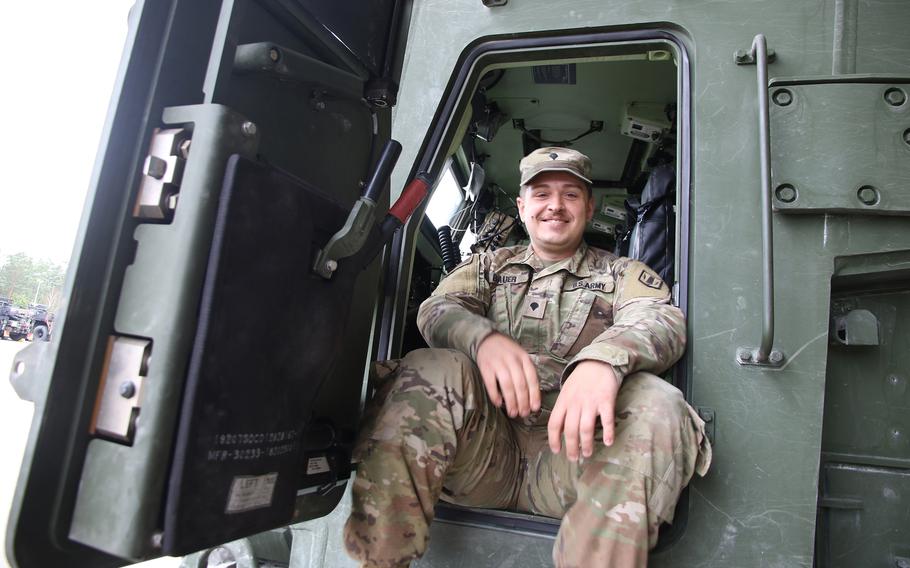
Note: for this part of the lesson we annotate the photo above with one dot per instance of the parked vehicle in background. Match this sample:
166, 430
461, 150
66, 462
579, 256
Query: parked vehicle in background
32, 323
40, 321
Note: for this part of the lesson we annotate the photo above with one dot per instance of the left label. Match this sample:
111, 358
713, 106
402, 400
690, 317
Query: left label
251, 492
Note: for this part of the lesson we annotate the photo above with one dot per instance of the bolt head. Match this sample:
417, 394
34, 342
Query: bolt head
907, 141
868, 195
785, 193
157, 540
274, 54
744, 355
776, 357
782, 97
127, 389
248, 128
331, 265
895, 97
184, 149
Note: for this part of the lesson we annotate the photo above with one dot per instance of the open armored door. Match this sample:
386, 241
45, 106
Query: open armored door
204, 382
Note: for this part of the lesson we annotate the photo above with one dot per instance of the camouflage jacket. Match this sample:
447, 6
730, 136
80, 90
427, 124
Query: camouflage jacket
593, 305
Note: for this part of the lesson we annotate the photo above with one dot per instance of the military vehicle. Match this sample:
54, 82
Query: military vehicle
10, 321
237, 147
40, 321
33, 323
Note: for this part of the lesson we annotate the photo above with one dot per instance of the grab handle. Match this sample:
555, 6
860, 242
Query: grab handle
765, 355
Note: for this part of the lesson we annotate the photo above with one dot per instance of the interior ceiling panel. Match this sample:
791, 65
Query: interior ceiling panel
561, 112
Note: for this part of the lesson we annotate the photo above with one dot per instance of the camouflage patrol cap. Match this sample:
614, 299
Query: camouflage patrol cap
555, 159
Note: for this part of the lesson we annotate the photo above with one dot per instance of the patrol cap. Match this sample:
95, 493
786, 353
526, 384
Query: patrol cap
555, 159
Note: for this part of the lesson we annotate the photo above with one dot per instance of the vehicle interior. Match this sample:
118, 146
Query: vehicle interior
620, 110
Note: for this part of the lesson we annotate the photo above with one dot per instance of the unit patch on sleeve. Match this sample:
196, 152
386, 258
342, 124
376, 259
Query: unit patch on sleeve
639, 281
650, 280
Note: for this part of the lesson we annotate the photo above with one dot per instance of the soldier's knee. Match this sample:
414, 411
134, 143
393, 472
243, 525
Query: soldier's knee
445, 371
654, 397
438, 359
652, 412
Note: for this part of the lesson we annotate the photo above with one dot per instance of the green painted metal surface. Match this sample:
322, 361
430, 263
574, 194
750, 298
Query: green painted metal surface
865, 444
855, 134
758, 504
122, 484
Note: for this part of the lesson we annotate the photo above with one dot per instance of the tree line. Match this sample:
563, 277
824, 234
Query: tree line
26, 280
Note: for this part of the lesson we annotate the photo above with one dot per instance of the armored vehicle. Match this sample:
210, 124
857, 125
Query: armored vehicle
12, 324
40, 321
764, 153
32, 323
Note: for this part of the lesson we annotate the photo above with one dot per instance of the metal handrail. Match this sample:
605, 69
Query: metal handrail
765, 354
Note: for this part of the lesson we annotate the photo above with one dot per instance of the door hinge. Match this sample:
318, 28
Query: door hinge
122, 379
162, 172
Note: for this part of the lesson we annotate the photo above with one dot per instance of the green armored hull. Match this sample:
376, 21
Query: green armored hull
241, 136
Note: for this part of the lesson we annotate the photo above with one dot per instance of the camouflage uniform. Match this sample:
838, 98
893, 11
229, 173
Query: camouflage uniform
431, 431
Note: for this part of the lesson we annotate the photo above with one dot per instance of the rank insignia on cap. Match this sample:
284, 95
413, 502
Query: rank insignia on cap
650, 280
553, 155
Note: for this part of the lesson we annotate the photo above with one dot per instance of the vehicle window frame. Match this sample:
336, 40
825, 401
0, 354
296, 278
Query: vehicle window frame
476, 59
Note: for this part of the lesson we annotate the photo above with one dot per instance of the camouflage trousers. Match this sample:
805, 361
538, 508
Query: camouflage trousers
431, 433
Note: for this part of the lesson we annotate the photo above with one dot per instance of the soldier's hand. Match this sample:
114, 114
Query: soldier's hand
589, 392
508, 375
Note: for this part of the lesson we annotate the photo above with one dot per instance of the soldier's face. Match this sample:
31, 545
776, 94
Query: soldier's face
555, 207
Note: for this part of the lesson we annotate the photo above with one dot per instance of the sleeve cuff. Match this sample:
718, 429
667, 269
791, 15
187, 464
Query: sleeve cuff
616, 357
466, 333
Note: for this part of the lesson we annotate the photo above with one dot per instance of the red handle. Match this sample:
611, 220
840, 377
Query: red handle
410, 198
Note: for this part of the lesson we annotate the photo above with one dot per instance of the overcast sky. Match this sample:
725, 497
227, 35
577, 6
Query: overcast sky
58, 63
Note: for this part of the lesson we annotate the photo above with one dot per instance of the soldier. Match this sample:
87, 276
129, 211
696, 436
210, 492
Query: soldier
539, 394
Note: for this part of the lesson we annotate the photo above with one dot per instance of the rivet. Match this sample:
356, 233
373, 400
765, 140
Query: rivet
868, 195
782, 97
127, 389
785, 193
248, 128
895, 97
